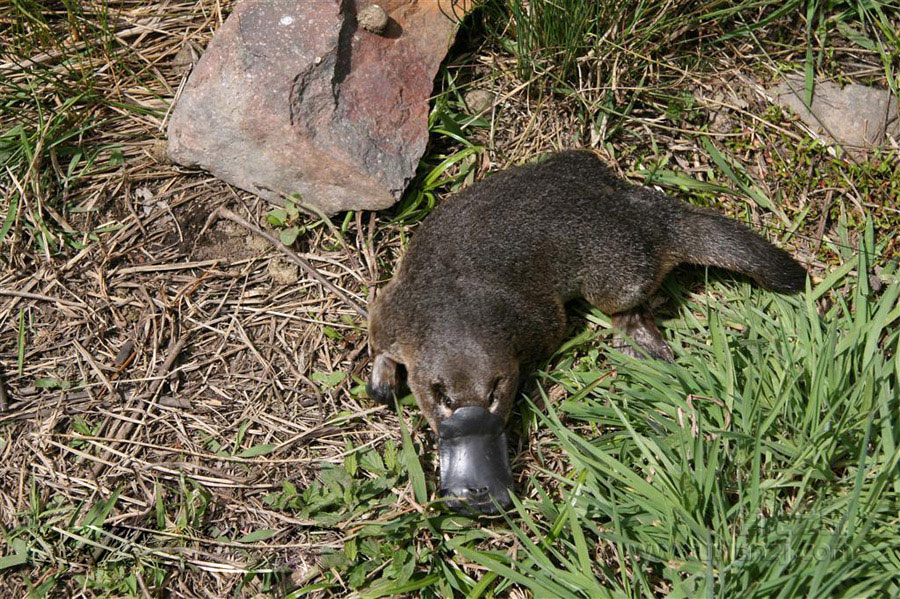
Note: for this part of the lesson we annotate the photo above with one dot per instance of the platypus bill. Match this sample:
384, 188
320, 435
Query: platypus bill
477, 301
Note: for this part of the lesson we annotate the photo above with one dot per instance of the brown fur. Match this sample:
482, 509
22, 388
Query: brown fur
478, 299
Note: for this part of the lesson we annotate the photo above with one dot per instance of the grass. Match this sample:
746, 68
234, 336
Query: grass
556, 36
65, 68
762, 463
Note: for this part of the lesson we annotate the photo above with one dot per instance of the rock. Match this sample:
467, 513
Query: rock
373, 18
478, 101
857, 117
292, 97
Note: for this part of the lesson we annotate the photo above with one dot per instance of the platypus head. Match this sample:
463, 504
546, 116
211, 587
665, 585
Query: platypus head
466, 389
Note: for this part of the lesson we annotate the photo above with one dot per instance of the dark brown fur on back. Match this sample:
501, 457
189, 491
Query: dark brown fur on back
478, 298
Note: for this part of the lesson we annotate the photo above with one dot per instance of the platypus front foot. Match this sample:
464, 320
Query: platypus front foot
384, 383
640, 330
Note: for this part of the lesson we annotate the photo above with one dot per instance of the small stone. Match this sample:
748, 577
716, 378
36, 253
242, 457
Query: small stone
478, 101
283, 272
373, 18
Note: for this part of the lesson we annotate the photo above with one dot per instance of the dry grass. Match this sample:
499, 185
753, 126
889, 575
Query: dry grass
181, 348
174, 375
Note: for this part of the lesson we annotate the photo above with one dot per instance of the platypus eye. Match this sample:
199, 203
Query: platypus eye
438, 390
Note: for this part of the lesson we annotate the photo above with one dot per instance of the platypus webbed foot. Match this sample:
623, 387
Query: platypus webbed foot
638, 325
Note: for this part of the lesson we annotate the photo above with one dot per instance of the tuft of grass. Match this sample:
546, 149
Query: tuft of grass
554, 36
64, 77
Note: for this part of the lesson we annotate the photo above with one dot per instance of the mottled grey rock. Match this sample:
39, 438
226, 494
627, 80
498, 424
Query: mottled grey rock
294, 97
857, 117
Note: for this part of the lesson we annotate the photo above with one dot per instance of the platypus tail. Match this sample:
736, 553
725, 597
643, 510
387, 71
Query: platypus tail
709, 239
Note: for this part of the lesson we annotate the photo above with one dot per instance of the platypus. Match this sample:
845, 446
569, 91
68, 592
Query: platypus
478, 300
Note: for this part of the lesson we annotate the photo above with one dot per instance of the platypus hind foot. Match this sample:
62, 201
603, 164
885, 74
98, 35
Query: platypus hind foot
638, 326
